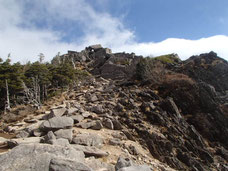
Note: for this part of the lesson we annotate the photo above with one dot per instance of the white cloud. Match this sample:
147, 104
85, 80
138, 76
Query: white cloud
21, 36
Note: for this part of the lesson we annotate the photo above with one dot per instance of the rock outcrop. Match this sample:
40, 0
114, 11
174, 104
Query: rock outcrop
112, 122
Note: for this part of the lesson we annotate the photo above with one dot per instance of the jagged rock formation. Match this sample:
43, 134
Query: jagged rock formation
112, 122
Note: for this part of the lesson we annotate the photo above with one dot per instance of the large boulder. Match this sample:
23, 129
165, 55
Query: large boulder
58, 164
57, 123
36, 157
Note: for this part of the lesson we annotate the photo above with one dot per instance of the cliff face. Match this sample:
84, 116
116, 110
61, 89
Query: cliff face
181, 122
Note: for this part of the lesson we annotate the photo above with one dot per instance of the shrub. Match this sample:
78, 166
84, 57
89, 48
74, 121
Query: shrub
170, 58
150, 70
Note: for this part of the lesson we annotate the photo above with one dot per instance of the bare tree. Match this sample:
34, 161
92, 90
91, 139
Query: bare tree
41, 57
7, 103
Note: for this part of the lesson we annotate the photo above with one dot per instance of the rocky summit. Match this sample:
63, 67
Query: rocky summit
130, 114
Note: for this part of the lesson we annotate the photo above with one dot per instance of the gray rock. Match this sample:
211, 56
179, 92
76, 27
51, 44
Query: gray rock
37, 133
36, 157
133, 150
92, 97
49, 138
136, 168
90, 151
96, 164
71, 111
117, 125
88, 140
19, 141
57, 123
98, 125
98, 109
77, 118
2, 140
61, 142
86, 125
30, 120
115, 142
55, 113
108, 124
12, 143
86, 114
128, 135
58, 164
123, 162
64, 133
23, 134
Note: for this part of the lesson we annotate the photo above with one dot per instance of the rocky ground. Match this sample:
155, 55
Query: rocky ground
111, 122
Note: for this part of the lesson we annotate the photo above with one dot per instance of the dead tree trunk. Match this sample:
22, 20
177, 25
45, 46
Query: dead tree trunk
7, 103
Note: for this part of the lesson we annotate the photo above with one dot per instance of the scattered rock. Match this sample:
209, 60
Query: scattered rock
117, 125
55, 113
64, 133
115, 142
136, 168
98, 109
61, 142
97, 126
123, 162
58, 164
108, 124
77, 118
37, 156
49, 138
23, 134
90, 151
56, 123
88, 140
86, 125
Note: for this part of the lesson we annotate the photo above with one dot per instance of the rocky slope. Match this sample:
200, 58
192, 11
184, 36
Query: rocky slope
113, 122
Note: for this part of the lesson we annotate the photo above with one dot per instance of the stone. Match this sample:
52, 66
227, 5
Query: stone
90, 151
57, 123
55, 113
2, 140
57, 164
64, 133
95, 47
98, 125
92, 98
77, 118
61, 142
86, 125
12, 143
30, 120
136, 168
98, 109
133, 150
115, 142
117, 125
71, 111
98, 165
108, 124
49, 138
86, 114
123, 162
88, 140
128, 135
19, 141
37, 157
23, 134
37, 133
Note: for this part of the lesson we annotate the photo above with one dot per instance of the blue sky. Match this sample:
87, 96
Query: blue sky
146, 27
